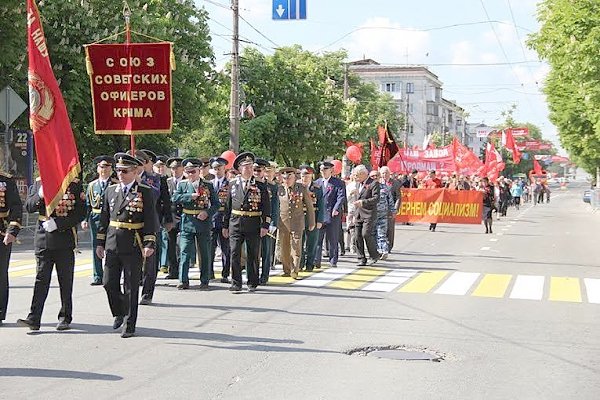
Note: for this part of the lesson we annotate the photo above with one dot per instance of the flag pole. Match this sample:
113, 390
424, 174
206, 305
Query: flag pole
127, 16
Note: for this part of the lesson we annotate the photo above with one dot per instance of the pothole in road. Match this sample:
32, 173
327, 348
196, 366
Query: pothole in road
402, 353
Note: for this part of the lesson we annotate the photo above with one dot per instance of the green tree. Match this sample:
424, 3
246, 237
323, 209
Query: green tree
70, 24
569, 39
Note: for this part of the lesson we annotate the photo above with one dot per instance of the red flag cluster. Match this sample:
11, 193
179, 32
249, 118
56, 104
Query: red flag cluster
508, 141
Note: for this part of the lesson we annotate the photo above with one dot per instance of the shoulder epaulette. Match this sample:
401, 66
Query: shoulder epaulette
316, 185
144, 186
113, 185
6, 174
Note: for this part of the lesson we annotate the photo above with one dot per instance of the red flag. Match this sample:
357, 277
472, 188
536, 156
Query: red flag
54, 142
467, 163
537, 168
493, 162
508, 142
389, 147
374, 154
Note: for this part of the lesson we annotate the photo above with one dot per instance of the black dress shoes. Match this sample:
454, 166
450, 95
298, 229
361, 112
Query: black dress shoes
235, 289
127, 334
145, 301
63, 326
29, 324
362, 263
95, 283
118, 322
224, 280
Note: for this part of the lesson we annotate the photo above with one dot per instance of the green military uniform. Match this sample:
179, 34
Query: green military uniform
195, 233
310, 238
11, 212
94, 197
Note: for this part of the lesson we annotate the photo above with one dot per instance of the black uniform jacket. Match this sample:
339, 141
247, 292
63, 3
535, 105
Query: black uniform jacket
69, 212
247, 211
11, 207
128, 223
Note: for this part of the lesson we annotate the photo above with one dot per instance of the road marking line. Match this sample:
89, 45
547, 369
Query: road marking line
493, 240
323, 278
528, 287
390, 281
500, 234
423, 282
458, 283
564, 289
358, 278
592, 287
492, 285
31, 271
485, 248
13, 265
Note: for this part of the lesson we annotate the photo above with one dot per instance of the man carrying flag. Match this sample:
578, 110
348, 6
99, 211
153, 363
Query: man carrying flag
58, 195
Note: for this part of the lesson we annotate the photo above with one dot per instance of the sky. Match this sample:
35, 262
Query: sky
477, 48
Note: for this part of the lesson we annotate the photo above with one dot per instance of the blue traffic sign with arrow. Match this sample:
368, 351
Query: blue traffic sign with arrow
289, 9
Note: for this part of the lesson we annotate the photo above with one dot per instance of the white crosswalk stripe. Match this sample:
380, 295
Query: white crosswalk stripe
323, 278
528, 287
390, 281
592, 287
458, 283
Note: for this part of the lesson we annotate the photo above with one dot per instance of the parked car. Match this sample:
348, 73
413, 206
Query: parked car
587, 196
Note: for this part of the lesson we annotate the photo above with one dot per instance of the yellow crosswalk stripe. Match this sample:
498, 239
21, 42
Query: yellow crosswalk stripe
493, 285
358, 278
32, 270
565, 289
423, 282
20, 263
83, 273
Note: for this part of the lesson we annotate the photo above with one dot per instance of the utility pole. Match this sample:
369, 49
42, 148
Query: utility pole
409, 89
346, 87
234, 110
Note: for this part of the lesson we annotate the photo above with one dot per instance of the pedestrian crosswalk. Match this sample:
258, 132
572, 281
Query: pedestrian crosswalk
409, 281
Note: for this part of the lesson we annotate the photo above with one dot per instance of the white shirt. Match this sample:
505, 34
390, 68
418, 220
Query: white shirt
325, 184
126, 188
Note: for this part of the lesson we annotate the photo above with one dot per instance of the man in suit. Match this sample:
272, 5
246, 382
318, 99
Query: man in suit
293, 200
127, 239
246, 220
366, 215
267, 242
310, 237
94, 197
334, 194
163, 215
11, 213
55, 242
221, 186
200, 202
176, 168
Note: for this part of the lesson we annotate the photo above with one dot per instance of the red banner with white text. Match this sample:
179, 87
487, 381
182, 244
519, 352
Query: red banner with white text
441, 206
131, 87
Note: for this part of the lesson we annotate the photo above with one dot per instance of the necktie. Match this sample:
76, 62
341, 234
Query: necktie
124, 191
103, 186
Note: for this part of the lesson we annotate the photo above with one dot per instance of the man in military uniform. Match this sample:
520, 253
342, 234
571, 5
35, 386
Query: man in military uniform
221, 186
176, 167
310, 238
94, 197
163, 214
11, 210
200, 202
334, 196
55, 241
127, 238
247, 219
293, 200
267, 245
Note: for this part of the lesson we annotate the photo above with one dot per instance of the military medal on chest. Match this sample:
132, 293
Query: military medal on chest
254, 197
2, 194
203, 199
136, 204
66, 204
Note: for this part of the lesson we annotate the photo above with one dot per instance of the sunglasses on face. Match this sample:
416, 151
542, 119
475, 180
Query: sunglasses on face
124, 171
105, 166
192, 171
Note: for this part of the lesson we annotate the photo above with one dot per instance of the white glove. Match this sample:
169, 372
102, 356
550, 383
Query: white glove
50, 225
41, 192
272, 229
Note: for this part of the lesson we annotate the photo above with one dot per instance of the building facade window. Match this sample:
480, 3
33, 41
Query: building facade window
389, 87
410, 87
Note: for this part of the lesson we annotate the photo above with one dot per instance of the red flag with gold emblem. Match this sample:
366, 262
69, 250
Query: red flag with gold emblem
55, 147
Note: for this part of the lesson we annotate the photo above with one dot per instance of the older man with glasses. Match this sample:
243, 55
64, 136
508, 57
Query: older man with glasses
126, 238
200, 202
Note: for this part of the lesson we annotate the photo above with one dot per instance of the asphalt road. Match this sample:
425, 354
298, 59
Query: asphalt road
515, 315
